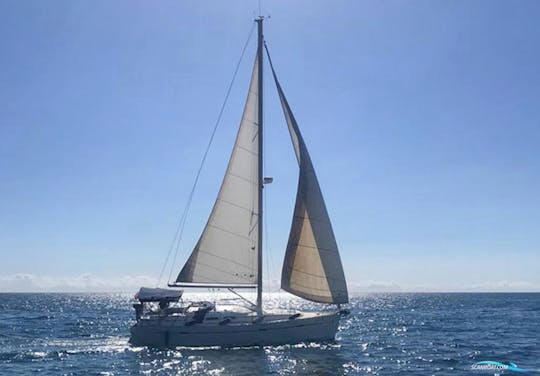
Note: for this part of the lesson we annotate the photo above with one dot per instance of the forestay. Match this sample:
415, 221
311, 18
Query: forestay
226, 252
312, 267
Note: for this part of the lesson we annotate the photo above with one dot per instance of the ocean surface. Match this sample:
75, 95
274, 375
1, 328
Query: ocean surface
386, 334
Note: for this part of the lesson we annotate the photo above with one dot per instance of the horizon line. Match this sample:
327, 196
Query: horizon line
285, 292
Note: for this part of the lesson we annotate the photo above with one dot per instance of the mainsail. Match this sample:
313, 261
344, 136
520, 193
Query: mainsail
312, 267
226, 252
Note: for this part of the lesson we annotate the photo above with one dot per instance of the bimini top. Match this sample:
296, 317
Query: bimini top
148, 294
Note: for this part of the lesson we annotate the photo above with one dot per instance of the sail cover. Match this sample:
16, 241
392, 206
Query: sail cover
226, 252
148, 294
312, 267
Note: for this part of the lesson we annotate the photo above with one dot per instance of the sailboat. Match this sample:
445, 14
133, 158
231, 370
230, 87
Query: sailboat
229, 252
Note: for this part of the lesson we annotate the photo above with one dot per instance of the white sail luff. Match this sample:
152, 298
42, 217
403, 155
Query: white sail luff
226, 252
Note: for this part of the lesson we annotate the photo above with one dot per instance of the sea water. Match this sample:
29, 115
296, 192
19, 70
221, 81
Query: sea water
385, 334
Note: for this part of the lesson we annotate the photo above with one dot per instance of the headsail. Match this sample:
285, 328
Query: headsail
312, 267
226, 252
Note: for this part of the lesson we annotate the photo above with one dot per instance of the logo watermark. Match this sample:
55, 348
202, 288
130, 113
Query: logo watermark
497, 368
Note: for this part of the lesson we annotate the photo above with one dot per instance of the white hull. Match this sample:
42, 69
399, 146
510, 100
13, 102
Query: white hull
274, 329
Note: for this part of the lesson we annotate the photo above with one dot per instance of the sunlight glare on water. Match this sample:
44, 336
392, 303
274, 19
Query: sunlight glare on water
386, 334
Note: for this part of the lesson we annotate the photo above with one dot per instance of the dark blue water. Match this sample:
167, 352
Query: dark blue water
386, 334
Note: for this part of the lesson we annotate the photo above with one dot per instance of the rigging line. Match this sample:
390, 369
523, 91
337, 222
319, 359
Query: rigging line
270, 265
180, 227
265, 213
243, 298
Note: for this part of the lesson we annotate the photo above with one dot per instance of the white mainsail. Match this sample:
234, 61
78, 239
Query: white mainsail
226, 252
312, 267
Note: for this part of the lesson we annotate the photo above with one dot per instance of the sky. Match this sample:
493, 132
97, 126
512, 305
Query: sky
422, 119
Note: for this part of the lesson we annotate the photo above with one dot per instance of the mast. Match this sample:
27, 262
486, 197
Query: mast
260, 42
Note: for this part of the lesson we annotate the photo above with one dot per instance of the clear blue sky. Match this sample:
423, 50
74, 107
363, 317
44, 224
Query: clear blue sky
422, 118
